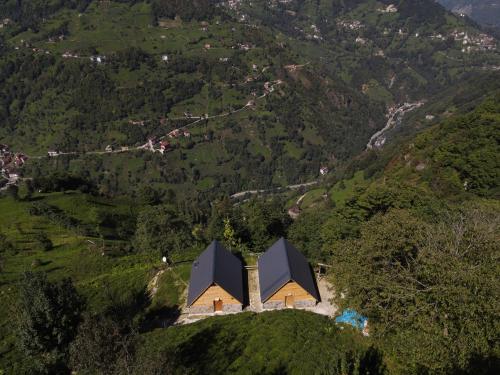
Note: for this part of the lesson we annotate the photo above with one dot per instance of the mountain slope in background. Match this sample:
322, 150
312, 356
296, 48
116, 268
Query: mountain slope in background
230, 97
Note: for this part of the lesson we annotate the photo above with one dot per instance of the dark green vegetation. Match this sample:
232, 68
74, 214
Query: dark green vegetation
268, 343
111, 249
331, 71
411, 246
415, 247
48, 315
411, 232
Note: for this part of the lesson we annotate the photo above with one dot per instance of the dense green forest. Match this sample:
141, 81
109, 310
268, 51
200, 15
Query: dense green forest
255, 95
267, 100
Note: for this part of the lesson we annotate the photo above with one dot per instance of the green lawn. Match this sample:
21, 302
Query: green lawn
267, 343
172, 286
205, 183
293, 150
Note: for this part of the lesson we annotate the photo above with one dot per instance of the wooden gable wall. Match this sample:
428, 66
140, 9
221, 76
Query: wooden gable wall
215, 292
294, 289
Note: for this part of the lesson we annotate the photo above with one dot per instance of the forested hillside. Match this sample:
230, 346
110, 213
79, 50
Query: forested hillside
411, 234
231, 96
134, 133
413, 243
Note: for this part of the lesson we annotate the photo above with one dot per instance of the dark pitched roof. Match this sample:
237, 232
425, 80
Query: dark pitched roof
280, 264
218, 266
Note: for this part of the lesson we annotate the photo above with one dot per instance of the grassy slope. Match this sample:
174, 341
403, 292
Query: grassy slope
97, 277
117, 26
111, 27
267, 343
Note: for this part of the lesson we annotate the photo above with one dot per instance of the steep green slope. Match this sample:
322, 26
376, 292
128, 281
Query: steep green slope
412, 240
457, 156
268, 343
286, 87
411, 231
410, 48
415, 245
85, 238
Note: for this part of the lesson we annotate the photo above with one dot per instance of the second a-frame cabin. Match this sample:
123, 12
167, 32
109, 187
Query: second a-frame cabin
285, 278
216, 283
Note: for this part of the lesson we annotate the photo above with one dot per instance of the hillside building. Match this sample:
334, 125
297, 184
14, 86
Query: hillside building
285, 278
216, 283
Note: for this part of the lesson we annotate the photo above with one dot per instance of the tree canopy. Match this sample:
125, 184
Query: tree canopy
47, 317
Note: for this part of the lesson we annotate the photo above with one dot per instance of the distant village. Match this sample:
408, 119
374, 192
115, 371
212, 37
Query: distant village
10, 163
5, 22
162, 145
468, 42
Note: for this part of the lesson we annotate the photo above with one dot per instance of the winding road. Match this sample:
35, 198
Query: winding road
253, 192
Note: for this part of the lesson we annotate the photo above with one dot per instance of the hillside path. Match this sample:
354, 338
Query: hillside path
253, 192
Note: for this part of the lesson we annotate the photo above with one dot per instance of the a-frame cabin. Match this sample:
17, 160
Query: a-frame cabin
216, 283
285, 278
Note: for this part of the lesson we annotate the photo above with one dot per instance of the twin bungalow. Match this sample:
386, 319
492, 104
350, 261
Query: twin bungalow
285, 280
216, 282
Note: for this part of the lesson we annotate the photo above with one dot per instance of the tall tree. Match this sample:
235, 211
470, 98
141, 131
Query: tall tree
103, 346
430, 290
160, 231
47, 317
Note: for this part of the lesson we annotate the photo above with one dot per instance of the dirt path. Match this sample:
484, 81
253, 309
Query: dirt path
153, 283
253, 192
326, 306
11, 180
301, 198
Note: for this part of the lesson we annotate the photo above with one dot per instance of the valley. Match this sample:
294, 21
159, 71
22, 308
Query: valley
139, 138
395, 116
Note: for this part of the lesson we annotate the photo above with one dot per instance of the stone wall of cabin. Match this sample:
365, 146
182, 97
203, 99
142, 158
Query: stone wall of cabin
205, 303
301, 298
304, 304
232, 308
201, 309
273, 305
